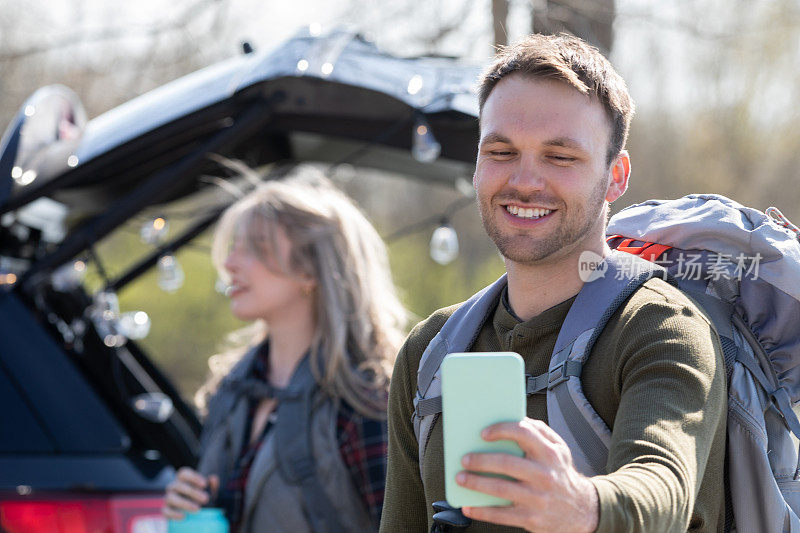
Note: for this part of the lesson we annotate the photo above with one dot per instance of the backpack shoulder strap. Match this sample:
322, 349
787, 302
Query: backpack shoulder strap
294, 450
457, 335
568, 410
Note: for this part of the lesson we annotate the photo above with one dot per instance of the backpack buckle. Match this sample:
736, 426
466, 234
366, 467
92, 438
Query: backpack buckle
557, 376
426, 406
417, 398
563, 372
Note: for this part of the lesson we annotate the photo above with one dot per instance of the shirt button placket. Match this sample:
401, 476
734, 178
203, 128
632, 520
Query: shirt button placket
508, 341
515, 339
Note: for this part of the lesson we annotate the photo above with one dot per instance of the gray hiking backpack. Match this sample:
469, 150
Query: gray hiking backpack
743, 267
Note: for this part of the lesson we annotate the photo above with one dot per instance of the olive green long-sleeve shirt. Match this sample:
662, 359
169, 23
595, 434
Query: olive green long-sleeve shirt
656, 377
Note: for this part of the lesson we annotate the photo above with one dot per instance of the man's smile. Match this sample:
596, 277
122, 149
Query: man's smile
530, 213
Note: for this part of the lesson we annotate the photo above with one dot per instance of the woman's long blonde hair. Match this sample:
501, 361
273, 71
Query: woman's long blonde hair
359, 317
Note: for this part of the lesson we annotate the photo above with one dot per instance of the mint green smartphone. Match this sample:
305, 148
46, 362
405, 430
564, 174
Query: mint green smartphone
478, 389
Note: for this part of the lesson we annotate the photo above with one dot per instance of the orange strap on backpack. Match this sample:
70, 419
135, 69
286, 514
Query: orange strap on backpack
649, 250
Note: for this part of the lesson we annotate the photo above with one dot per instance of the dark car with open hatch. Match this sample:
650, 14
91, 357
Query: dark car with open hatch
91, 430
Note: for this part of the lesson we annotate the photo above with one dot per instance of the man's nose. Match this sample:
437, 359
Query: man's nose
528, 175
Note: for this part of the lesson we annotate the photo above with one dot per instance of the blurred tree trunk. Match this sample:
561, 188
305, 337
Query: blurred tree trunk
499, 18
591, 20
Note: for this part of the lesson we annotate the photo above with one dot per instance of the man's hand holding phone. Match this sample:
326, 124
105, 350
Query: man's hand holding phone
547, 493
501, 466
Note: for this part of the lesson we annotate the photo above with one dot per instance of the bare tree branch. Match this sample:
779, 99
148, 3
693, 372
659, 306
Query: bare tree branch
109, 34
433, 39
695, 29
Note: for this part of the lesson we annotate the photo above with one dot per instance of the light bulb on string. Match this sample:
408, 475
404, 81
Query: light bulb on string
134, 324
69, 276
105, 306
170, 273
154, 230
7, 279
444, 244
104, 313
23, 177
153, 406
424, 146
414, 84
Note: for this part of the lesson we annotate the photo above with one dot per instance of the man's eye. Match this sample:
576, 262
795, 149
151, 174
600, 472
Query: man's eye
500, 153
561, 159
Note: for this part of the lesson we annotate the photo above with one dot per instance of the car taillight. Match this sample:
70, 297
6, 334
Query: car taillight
114, 514
138, 515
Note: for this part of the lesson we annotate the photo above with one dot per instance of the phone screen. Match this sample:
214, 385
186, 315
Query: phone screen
478, 389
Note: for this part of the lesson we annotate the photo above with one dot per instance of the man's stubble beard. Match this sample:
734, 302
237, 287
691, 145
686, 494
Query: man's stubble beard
524, 251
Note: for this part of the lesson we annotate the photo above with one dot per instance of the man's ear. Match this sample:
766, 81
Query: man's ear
620, 172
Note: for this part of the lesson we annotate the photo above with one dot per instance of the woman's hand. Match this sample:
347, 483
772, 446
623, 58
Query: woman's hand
188, 492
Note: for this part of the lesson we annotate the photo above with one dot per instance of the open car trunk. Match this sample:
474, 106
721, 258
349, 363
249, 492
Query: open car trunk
91, 412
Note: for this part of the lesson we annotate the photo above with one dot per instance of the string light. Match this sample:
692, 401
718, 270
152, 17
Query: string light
424, 146
154, 231
114, 341
69, 276
25, 178
414, 84
134, 324
104, 314
105, 306
113, 327
170, 273
154, 406
444, 244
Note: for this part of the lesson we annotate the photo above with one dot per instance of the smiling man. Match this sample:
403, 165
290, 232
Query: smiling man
554, 121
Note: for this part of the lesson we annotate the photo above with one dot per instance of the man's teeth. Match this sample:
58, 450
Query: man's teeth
527, 212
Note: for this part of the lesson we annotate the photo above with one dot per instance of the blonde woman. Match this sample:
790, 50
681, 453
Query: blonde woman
295, 437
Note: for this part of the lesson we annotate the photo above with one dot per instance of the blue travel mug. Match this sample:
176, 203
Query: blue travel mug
206, 520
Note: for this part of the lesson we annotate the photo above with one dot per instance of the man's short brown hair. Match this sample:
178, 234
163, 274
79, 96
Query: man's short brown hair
571, 60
